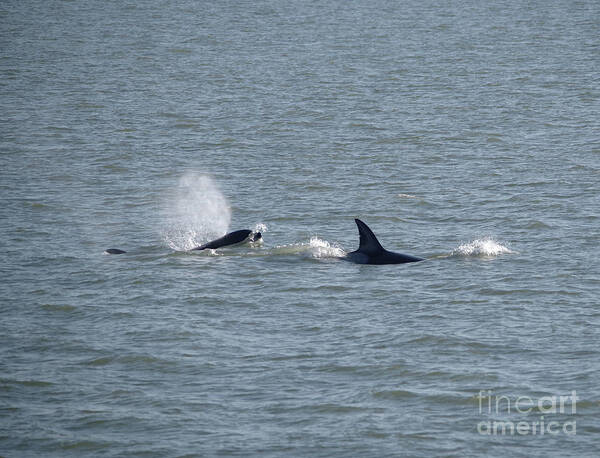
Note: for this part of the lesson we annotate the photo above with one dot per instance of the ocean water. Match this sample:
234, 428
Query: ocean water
464, 133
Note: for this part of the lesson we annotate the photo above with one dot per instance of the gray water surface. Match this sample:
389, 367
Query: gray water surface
467, 134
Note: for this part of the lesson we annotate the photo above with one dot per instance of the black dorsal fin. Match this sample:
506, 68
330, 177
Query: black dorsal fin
368, 242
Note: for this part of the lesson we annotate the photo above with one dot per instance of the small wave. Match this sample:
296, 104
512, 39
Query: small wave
80, 445
102, 361
407, 196
395, 394
59, 307
537, 225
210, 252
33, 383
486, 247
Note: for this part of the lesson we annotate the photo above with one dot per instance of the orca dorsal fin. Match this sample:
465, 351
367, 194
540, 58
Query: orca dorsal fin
368, 242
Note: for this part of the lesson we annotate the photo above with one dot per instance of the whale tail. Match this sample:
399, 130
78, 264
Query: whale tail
368, 242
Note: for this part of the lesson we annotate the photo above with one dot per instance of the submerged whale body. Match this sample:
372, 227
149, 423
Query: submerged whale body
233, 238
370, 250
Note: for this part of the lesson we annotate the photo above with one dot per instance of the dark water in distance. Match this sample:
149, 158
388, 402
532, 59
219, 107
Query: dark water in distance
467, 134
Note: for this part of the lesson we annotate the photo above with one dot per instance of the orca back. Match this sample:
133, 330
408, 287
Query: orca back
228, 239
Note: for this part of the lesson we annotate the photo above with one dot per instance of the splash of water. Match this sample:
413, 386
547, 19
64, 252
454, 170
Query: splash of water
260, 227
323, 249
196, 212
315, 248
486, 247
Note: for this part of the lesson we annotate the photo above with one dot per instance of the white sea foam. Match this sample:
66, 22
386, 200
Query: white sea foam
260, 227
196, 212
486, 247
315, 248
323, 249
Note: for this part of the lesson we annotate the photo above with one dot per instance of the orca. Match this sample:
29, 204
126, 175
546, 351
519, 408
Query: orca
370, 250
233, 238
